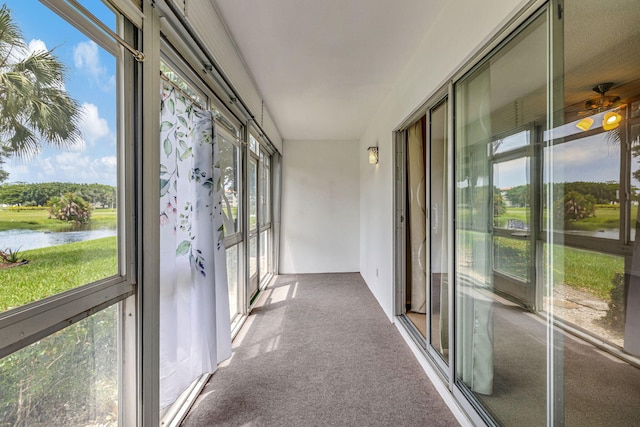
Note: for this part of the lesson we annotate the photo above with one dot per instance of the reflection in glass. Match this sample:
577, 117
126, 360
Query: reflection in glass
68, 378
511, 142
587, 199
497, 358
595, 283
512, 257
511, 194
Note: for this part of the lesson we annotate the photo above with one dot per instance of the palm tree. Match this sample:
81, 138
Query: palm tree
34, 107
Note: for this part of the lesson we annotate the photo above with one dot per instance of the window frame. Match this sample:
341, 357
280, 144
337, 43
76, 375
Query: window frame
623, 245
31, 322
26, 324
236, 237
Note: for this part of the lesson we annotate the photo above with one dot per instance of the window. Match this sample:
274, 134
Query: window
70, 377
254, 146
229, 145
60, 196
67, 243
230, 161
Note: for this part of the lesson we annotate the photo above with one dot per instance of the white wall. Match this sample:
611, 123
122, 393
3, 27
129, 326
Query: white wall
320, 207
461, 29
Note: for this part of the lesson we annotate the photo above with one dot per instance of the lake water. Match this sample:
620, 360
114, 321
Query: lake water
24, 240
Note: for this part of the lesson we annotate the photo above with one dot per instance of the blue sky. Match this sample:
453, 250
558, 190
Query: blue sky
592, 159
90, 80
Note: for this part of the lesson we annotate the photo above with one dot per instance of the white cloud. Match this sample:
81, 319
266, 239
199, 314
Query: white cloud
37, 45
110, 162
93, 127
87, 59
64, 167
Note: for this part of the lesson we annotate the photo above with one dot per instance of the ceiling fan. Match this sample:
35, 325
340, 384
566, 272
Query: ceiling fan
604, 101
595, 106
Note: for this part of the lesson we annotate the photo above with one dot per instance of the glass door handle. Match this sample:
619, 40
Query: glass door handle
435, 217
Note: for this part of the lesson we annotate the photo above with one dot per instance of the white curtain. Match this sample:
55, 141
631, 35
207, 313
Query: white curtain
474, 282
417, 219
195, 332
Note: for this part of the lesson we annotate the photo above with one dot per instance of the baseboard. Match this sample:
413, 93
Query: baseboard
436, 380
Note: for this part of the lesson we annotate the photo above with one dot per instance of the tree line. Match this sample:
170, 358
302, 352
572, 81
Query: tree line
23, 194
602, 192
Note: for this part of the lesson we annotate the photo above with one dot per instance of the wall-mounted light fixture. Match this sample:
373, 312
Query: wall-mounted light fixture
373, 155
611, 120
585, 124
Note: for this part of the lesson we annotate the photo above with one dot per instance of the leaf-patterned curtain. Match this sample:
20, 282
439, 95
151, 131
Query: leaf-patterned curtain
195, 332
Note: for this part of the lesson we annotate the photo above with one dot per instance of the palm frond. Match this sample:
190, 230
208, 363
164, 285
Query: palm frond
34, 108
10, 35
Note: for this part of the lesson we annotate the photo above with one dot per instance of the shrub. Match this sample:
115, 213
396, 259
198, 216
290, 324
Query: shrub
70, 207
616, 312
10, 256
575, 206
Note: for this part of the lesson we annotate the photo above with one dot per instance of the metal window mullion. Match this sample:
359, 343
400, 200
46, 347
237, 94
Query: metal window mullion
127, 116
399, 189
451, 238
625, 184
74, 12
555, 100
44, 318
148, 232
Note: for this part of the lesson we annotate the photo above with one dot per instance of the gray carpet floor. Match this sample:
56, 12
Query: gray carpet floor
318, 350
595, 389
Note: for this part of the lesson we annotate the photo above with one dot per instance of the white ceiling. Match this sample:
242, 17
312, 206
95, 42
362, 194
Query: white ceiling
324, 66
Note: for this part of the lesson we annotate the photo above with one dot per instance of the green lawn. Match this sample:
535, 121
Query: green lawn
606, 218
56, 269
521, 214
586, 270
39, 220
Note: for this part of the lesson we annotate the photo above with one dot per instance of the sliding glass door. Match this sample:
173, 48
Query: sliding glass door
501, 352
438, 219
542, 254
425, 236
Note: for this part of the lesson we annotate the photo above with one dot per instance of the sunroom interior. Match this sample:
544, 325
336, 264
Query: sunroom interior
225, 150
